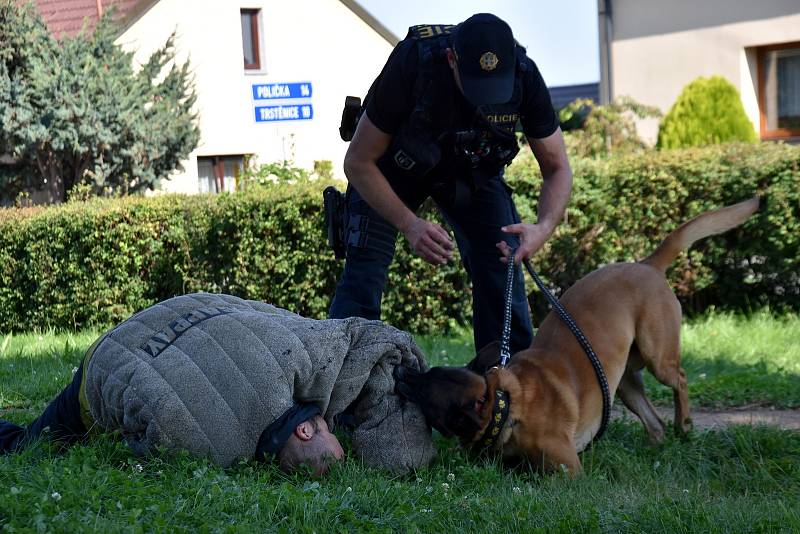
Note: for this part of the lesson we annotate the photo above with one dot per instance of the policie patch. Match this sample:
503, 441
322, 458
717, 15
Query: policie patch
404, 161
160, 341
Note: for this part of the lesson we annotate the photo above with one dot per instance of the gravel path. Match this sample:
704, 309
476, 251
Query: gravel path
706, 419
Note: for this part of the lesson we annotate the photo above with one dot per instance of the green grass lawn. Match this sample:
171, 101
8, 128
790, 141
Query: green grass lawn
738, 480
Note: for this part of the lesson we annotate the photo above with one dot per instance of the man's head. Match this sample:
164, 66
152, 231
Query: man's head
311, 444
483, 59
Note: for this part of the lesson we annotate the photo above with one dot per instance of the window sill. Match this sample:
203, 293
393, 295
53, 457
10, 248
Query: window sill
791, 139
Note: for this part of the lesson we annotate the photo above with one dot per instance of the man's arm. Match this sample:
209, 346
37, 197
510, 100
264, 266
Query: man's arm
429, 240
551, 154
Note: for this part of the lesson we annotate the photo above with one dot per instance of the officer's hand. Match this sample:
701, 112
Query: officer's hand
531, 238
430, 241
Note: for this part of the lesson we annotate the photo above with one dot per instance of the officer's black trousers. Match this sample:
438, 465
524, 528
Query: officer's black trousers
62, 418
476, 227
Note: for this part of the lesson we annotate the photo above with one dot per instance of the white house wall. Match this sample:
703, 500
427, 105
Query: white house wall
659, 47
317, 41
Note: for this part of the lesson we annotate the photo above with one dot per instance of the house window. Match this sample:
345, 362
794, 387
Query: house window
250, 40
217, 174
779, 90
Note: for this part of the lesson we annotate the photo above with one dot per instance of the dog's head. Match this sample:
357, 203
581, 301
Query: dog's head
453, 399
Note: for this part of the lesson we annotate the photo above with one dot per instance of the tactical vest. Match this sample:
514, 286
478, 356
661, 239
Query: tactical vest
417, 148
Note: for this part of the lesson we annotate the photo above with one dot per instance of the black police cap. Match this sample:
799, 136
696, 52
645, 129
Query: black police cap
486, 59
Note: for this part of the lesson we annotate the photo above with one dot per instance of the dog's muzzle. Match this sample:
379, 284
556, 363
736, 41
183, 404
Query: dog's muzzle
401, 374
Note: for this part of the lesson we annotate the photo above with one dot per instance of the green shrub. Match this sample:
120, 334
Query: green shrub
323, 168
591, 130
708, 111
97, 262
280, 173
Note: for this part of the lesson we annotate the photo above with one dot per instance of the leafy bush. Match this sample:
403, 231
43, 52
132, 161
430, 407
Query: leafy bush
591, 130
95, 263
323, 168
708, 111
283, 173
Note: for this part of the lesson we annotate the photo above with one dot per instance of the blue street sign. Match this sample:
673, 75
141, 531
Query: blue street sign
292, 112
275, 91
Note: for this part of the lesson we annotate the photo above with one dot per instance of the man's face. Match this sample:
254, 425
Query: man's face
332, 447
312, 444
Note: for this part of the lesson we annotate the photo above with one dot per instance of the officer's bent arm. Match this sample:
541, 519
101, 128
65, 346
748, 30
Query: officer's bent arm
551, 154
368, 144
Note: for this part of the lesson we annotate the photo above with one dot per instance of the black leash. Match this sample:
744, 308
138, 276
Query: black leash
505, 350
501, 404
505, 353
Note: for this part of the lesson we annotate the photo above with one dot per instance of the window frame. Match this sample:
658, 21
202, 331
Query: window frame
218, 167
254, 14
761, 56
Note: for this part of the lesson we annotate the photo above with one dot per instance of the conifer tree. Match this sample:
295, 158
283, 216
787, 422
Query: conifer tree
75, 111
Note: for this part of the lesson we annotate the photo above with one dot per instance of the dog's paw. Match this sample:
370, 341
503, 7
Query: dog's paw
684, 428
656, 437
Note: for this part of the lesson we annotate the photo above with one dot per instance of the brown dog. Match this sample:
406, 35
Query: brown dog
631, 318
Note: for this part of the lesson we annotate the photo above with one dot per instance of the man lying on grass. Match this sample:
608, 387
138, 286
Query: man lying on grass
227, 378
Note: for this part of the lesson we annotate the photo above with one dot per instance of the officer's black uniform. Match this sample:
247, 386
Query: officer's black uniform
415, 99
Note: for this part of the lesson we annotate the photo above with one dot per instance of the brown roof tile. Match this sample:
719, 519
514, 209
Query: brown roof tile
67, 17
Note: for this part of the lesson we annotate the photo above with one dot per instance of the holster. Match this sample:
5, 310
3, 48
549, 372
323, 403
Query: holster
334, 203
350, 115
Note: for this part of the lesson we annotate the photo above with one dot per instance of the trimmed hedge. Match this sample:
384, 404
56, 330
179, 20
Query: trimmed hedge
96, 263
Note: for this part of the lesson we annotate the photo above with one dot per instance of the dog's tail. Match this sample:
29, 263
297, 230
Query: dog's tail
704, 225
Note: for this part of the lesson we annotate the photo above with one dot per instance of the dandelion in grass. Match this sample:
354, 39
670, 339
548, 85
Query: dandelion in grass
451, 477
445, 487
517, 490
138, 468
56, 496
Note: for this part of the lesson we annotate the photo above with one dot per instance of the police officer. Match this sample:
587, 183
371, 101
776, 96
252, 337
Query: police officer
439, 122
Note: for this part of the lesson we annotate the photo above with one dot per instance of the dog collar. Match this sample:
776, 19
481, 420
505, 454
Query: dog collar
500, 410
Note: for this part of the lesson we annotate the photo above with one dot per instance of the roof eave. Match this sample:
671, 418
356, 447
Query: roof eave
132, 16
371, 21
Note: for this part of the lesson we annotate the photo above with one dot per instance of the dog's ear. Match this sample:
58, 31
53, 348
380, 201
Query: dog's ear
487, 357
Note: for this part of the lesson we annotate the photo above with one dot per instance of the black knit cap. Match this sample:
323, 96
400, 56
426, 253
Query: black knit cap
275, 436
485, 54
